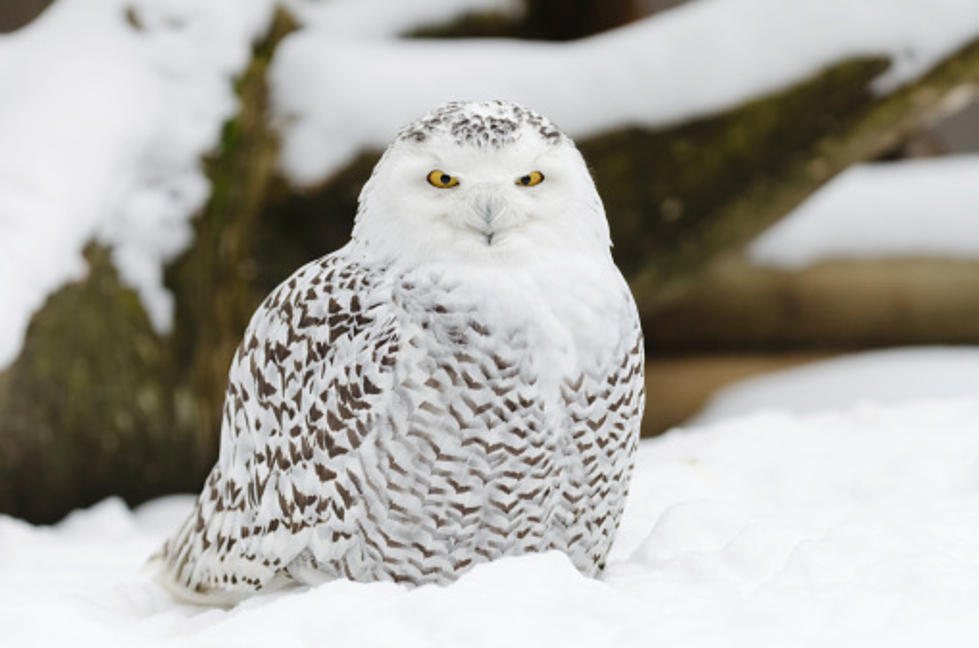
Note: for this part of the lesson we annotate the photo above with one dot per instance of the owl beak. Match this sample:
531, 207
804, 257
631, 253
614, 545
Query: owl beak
487, 207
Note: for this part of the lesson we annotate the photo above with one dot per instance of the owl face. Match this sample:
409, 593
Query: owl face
473, 182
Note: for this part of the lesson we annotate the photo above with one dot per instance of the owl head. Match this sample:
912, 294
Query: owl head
475, 182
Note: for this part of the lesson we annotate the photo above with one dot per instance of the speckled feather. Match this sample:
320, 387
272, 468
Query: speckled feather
502, 124
387, 420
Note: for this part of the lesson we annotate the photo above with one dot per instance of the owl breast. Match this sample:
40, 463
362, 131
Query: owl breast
499, 438
405, 426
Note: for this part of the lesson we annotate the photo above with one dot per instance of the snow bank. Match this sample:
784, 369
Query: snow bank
847, 528
335, 95
102, 127
873, 377
913, 208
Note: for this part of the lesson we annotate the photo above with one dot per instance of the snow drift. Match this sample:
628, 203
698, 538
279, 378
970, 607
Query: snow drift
839, 528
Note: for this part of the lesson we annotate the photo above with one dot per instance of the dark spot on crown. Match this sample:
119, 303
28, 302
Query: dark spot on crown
487, 124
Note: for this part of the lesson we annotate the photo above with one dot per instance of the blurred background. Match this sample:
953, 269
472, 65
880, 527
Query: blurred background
786, 184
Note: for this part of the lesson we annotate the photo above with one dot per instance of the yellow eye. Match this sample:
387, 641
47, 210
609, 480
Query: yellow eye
531, 179
441, 179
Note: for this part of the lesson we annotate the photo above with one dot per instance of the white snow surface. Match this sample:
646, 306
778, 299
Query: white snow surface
336, 93
102, 128
881, 377
386, 18
840, 528
911, 208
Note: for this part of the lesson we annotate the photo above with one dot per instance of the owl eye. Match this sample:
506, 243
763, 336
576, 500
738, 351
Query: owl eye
441, 179
531, 179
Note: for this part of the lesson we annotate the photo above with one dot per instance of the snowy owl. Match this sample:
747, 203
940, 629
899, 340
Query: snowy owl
461, 381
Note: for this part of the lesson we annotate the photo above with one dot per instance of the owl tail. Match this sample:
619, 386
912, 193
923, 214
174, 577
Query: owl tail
205, 562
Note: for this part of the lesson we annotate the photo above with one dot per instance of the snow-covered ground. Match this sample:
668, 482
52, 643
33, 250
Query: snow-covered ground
841, 527
882, 377
912, 208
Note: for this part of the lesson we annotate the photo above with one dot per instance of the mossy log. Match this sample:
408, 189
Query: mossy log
779, 150
97, 404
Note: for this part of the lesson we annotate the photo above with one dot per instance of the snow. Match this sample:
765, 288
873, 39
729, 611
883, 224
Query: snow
872, 377
102, 128
336, 93
848, 526
386, 18
912, 208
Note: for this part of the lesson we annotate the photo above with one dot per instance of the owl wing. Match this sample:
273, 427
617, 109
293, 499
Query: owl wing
604, 403
307, 384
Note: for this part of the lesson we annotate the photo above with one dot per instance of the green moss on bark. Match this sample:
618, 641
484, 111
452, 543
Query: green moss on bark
664, 189
87, 406
216, 280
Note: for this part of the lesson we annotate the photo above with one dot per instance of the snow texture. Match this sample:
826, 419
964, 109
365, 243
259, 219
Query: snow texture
102, 127
840, 528
387, 18
913, 208
336, 94
873, 377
